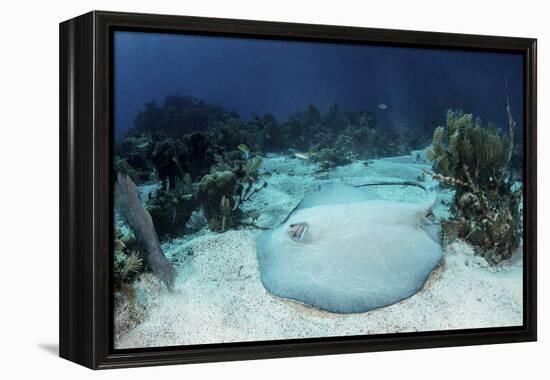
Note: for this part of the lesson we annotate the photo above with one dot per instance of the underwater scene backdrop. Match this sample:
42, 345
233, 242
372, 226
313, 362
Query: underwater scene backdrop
269, 189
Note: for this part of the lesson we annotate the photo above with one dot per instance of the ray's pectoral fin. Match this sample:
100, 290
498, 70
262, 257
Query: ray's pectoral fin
429, 222
434, 231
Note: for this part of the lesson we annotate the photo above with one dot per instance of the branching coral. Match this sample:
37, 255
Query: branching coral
212, 190
341, 153
176, 157
466, 148
474, 160
126, 261
127, 265
171, 206
223, 193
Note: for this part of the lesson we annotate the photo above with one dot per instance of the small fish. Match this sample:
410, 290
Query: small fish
301, 156
382, 106
143, 145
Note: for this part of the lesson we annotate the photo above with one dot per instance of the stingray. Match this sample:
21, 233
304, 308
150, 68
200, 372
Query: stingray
344, 250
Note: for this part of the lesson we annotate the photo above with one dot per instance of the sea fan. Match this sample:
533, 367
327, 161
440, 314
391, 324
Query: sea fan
132, 264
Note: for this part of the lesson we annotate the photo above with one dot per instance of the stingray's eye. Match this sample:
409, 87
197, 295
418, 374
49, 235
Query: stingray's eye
296, 231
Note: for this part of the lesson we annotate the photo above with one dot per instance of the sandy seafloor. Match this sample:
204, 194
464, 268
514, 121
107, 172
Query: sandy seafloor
219, 296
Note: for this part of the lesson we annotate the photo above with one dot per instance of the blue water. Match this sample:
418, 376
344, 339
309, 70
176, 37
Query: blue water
251, 76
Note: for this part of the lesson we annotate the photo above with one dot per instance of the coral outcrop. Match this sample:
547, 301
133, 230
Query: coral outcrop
185, 127
205, 157
223, 193
171, 206
215, 193
474, 160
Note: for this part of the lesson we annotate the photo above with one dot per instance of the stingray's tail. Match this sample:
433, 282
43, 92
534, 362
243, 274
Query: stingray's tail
396, 183
429, 204
427, 217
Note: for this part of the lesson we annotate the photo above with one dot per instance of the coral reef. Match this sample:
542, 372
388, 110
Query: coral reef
198, 145
223, 192
206, 157
180, 114
165, 157
176, 157
134, 157
167, 139
127, 262
215, 193
474, 160
150, 157
247, 176
171, 206
328, 158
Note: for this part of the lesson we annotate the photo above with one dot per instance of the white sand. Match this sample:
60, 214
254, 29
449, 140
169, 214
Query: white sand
219, 296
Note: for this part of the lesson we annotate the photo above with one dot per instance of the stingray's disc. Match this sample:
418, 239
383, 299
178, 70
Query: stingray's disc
348, 257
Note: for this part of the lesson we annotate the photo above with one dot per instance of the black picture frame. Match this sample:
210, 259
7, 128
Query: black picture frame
86, 150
